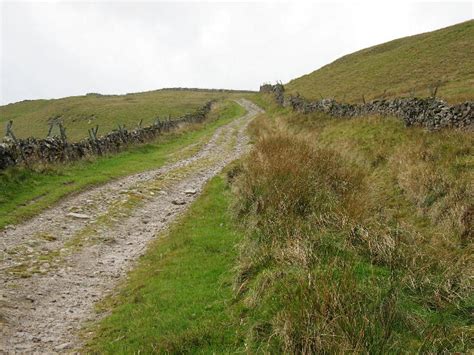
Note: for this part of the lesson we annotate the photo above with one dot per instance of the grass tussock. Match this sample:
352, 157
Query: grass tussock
342, 250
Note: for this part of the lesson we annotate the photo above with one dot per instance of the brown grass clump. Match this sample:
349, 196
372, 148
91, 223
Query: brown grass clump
345, 250
292, 198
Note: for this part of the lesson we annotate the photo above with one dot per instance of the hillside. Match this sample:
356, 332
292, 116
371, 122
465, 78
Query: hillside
400, 67
79, 113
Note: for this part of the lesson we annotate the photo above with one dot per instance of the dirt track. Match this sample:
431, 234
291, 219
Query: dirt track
56, 266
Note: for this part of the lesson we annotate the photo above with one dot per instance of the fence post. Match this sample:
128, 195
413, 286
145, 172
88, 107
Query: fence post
50, 130
10, 134
93, 137
9, 131
434, 89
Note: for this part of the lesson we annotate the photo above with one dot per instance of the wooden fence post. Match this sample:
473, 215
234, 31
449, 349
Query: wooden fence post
10, 134
50, 130
9, 131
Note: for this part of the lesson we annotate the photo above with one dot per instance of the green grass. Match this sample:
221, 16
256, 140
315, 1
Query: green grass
25, 192
400, 67
178, 298
79, 113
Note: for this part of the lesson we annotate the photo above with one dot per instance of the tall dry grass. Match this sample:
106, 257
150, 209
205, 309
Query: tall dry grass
331, 262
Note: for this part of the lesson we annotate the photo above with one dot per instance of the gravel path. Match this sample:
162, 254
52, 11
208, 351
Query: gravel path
56, 266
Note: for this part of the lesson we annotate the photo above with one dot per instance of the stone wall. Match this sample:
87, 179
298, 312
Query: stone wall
431, 113
278, 90
31, 151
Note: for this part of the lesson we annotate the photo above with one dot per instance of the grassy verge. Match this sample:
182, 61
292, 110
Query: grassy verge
24, 192
358, 236
177, 299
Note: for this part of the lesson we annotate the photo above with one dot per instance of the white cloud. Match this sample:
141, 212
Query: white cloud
59, 49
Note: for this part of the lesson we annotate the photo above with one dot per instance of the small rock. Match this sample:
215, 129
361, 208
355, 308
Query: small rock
24, 347
178, 202
63, 346
190, 191
78, 215
74, 209
30, 298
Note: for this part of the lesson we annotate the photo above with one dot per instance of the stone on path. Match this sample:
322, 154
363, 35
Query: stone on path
178, 202
63, 346
78, 215
190, 191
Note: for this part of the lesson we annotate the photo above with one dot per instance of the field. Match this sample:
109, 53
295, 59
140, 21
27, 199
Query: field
405, 66
79, 113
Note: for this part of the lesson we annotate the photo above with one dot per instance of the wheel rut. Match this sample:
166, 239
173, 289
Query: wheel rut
56, 266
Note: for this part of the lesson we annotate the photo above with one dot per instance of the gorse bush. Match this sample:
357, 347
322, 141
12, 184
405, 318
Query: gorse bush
328, 265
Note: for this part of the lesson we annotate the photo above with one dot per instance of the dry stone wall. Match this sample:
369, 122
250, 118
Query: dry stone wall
278, 90
431, 113
56, 149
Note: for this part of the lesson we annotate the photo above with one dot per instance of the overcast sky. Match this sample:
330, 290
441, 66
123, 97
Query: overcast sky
56, 49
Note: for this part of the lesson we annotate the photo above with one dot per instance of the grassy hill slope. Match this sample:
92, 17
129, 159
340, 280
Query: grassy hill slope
78, 113
401, 67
